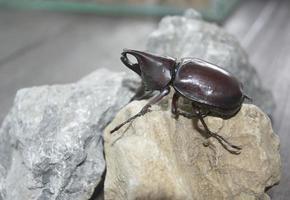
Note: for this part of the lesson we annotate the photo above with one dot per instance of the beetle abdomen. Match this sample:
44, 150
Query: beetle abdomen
206, 83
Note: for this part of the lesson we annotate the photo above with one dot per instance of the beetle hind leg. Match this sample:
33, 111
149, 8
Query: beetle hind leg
234, 149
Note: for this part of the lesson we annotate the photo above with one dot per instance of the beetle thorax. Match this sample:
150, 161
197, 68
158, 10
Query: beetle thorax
156, 78
156, 71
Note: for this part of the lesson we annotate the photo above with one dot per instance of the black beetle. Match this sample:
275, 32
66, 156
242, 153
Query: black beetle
211, 89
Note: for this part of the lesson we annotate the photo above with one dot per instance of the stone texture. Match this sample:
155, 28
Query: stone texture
50, 142
159, 157
190, 36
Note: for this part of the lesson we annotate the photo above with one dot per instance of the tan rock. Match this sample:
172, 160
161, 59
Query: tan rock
159, 157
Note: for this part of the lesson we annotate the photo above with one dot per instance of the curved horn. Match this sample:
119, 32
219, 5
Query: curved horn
156, 71
133, 66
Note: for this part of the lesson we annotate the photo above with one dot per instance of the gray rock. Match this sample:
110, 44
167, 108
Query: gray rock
190, 36
50, 143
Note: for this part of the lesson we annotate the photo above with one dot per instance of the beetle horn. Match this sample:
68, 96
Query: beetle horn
133, 66
147, 62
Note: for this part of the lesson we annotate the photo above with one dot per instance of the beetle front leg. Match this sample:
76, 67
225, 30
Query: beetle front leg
234, 149
145, 109
141, 94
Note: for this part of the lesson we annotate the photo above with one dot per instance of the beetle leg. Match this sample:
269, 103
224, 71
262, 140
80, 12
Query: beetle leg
235, 149
186, 114
174, 104
145, 109
141, 93
174, 108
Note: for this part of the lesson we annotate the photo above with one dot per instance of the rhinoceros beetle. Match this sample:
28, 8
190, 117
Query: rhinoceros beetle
211, 90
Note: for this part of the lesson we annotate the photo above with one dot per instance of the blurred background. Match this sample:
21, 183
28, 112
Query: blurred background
60, 41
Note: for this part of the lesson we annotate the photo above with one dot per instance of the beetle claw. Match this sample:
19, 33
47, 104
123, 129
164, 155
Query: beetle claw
175, 114
234, 149
236, 152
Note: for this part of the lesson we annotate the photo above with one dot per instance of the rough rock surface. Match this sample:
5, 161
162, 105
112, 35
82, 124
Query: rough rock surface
159, 157
190, 36
50, 143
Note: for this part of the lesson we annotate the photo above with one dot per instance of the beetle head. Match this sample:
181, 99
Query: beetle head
155, 71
